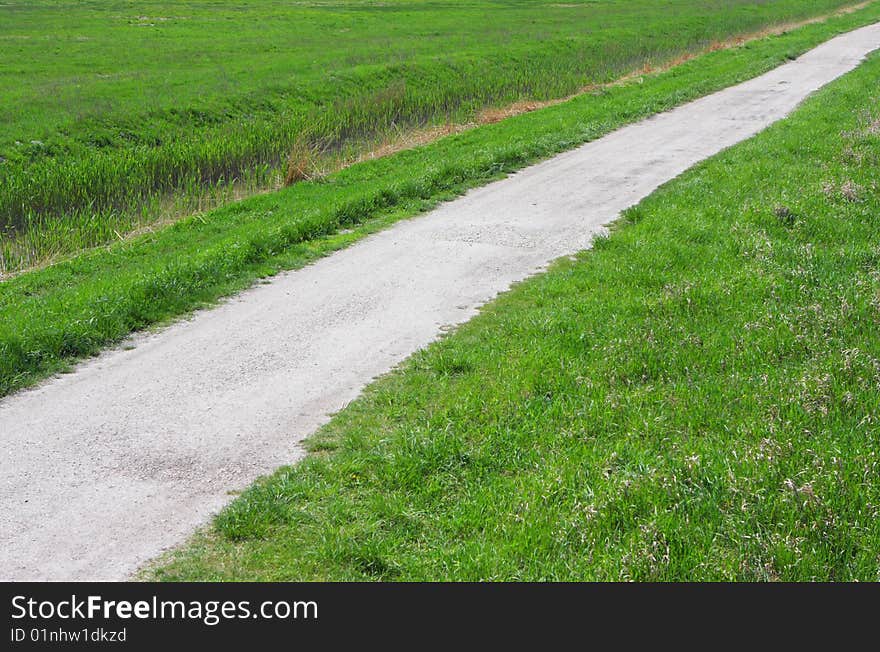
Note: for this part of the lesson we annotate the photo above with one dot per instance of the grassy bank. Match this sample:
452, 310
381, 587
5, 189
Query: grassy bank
117, 116
695, 398
53, 316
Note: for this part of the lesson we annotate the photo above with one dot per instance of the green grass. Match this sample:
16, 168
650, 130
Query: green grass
696, 398
119, 114
54, 316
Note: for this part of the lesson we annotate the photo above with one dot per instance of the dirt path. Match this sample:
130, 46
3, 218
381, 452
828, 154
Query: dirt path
104, 468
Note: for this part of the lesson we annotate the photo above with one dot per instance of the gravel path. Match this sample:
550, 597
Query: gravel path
105, 468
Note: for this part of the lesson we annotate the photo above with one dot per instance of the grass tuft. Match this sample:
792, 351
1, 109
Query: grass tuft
302, 163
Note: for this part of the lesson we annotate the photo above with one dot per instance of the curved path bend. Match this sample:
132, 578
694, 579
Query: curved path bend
104, 468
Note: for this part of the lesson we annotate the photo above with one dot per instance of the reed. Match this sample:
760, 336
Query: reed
100, 162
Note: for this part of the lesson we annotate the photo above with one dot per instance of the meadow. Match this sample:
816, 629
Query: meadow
695, 398
119, 117
54, 316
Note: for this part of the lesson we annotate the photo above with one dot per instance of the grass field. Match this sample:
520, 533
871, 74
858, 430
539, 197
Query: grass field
54, 316
696, 398
118, 115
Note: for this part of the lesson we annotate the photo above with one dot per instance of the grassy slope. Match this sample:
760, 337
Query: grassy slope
53, 316
127, 103
696, 398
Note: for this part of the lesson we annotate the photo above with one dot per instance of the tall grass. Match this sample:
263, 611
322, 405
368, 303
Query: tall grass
103, 177
53, 316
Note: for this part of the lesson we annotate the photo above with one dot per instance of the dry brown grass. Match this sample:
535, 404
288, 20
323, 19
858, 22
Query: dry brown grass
408, 139
303, 162
497, 114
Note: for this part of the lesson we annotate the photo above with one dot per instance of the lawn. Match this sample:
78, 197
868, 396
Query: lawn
695, 398
120, 115
51, 317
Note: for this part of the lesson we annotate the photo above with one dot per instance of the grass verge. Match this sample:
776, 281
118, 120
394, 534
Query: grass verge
51, 317
696, 398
